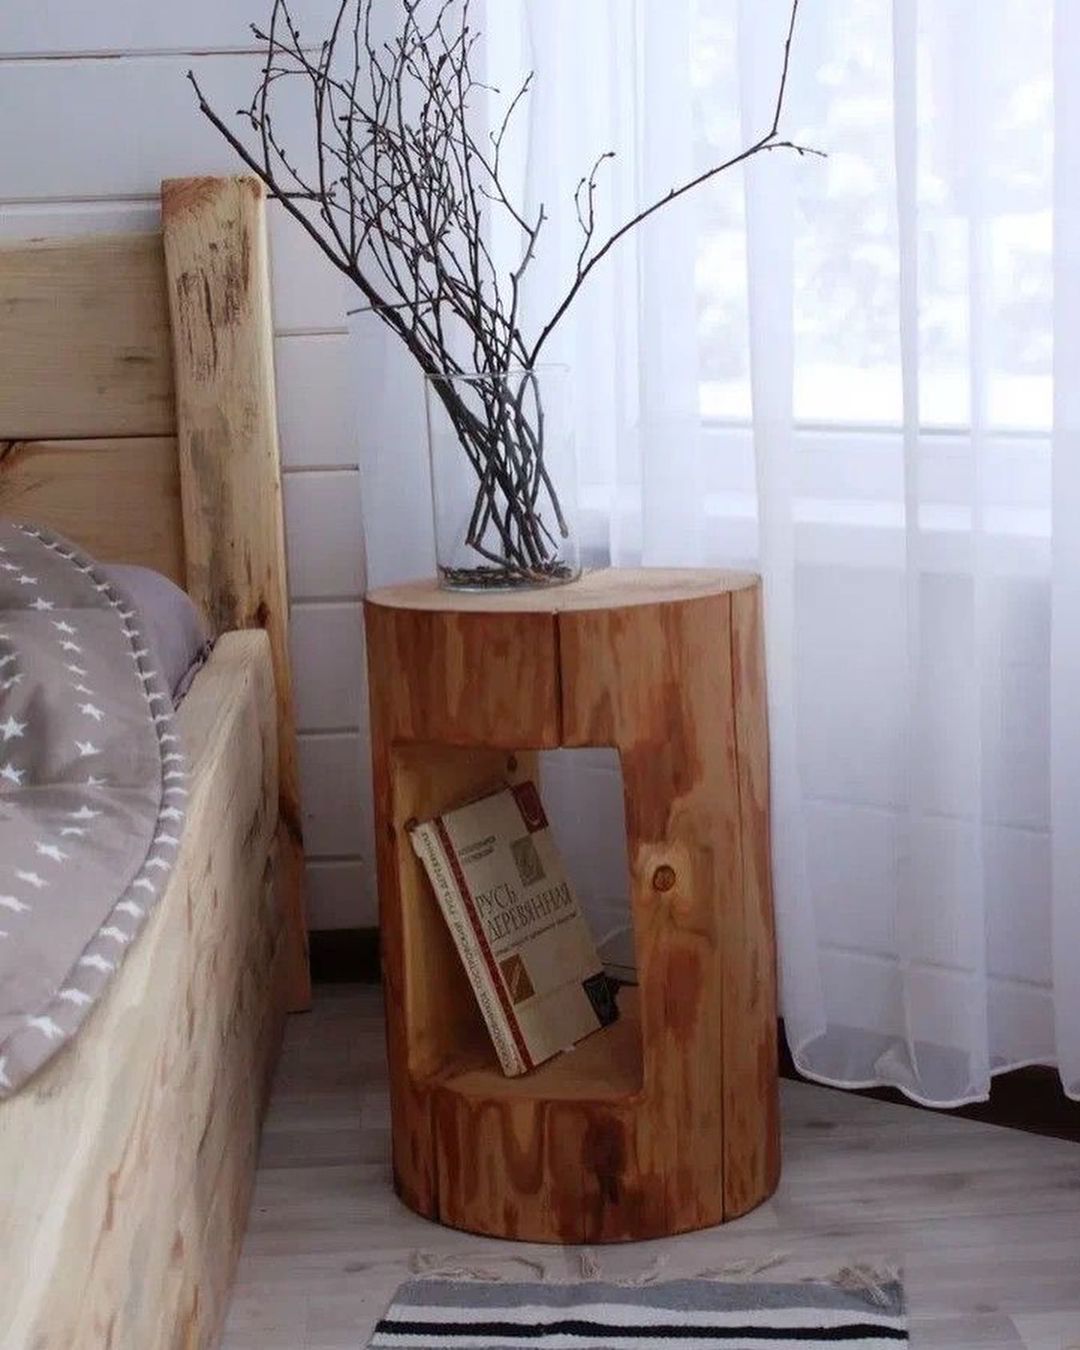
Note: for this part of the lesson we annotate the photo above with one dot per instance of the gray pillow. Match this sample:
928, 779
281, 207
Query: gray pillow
171, 621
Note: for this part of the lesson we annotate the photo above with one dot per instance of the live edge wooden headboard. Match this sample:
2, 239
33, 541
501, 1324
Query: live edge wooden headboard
137, 418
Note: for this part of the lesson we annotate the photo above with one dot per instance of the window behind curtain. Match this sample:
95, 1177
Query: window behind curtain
846, 245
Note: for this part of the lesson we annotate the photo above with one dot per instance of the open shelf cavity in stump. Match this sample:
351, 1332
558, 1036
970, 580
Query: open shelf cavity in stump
666, 1121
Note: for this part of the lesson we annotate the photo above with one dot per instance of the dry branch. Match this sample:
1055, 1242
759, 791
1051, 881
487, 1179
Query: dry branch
397, 190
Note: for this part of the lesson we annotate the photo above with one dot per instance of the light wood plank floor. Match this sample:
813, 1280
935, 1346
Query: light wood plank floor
985, 1221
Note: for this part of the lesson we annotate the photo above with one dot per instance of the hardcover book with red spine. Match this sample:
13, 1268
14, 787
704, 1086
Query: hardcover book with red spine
517, 925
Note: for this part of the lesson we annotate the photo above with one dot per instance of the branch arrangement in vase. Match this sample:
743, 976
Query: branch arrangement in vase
400, 194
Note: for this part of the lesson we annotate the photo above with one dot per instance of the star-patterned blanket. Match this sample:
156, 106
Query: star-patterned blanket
92, 791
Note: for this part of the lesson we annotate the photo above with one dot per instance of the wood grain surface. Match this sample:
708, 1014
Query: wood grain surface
600, 588
144, 1132
137, 417
218, 286
126, 1164
84, 334
982, 1221
667, 1121
752, 1130
118, 498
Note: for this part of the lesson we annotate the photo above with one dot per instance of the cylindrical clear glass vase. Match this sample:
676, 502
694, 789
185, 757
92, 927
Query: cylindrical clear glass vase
503, 479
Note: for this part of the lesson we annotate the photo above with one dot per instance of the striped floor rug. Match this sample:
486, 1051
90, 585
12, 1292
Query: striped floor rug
690, 1314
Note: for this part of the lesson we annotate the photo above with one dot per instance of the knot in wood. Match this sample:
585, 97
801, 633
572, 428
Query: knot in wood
663, 878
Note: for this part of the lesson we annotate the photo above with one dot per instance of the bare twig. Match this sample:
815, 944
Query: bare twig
397, 190
769, 141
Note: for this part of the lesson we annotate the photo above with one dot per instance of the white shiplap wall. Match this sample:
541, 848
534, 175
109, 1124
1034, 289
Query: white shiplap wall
94, 112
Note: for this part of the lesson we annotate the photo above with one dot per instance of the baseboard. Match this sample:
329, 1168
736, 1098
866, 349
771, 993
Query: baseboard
1029, 1099
344, 955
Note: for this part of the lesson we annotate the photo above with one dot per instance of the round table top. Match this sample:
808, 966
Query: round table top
603, 588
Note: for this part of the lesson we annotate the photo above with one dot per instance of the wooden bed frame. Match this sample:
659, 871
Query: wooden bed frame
137, 418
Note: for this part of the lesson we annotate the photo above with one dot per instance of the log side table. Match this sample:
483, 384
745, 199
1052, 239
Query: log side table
667, 1120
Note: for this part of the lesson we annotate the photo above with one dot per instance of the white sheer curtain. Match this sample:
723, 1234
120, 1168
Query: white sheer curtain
858, 375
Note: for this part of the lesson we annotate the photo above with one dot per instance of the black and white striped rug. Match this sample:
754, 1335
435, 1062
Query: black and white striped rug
691, 1314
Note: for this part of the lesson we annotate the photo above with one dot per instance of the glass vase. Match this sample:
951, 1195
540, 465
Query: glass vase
503, 479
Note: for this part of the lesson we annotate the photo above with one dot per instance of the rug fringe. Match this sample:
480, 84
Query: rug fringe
433, 1266
746, 1269
868, 1280
588, 1265
857, 1277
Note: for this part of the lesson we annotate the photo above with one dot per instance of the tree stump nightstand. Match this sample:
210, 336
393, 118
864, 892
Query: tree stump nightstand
666, 1121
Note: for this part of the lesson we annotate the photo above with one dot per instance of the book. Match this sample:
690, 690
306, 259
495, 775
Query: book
517, 925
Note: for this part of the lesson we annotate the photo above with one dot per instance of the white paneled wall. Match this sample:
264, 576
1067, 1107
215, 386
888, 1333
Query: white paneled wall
94, 112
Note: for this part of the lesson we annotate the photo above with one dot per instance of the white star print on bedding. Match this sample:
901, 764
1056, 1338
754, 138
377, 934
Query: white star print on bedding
10, 729
89, 785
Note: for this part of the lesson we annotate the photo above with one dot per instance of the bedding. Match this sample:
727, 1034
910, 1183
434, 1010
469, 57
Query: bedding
125, 1162
92, 791
175, 631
